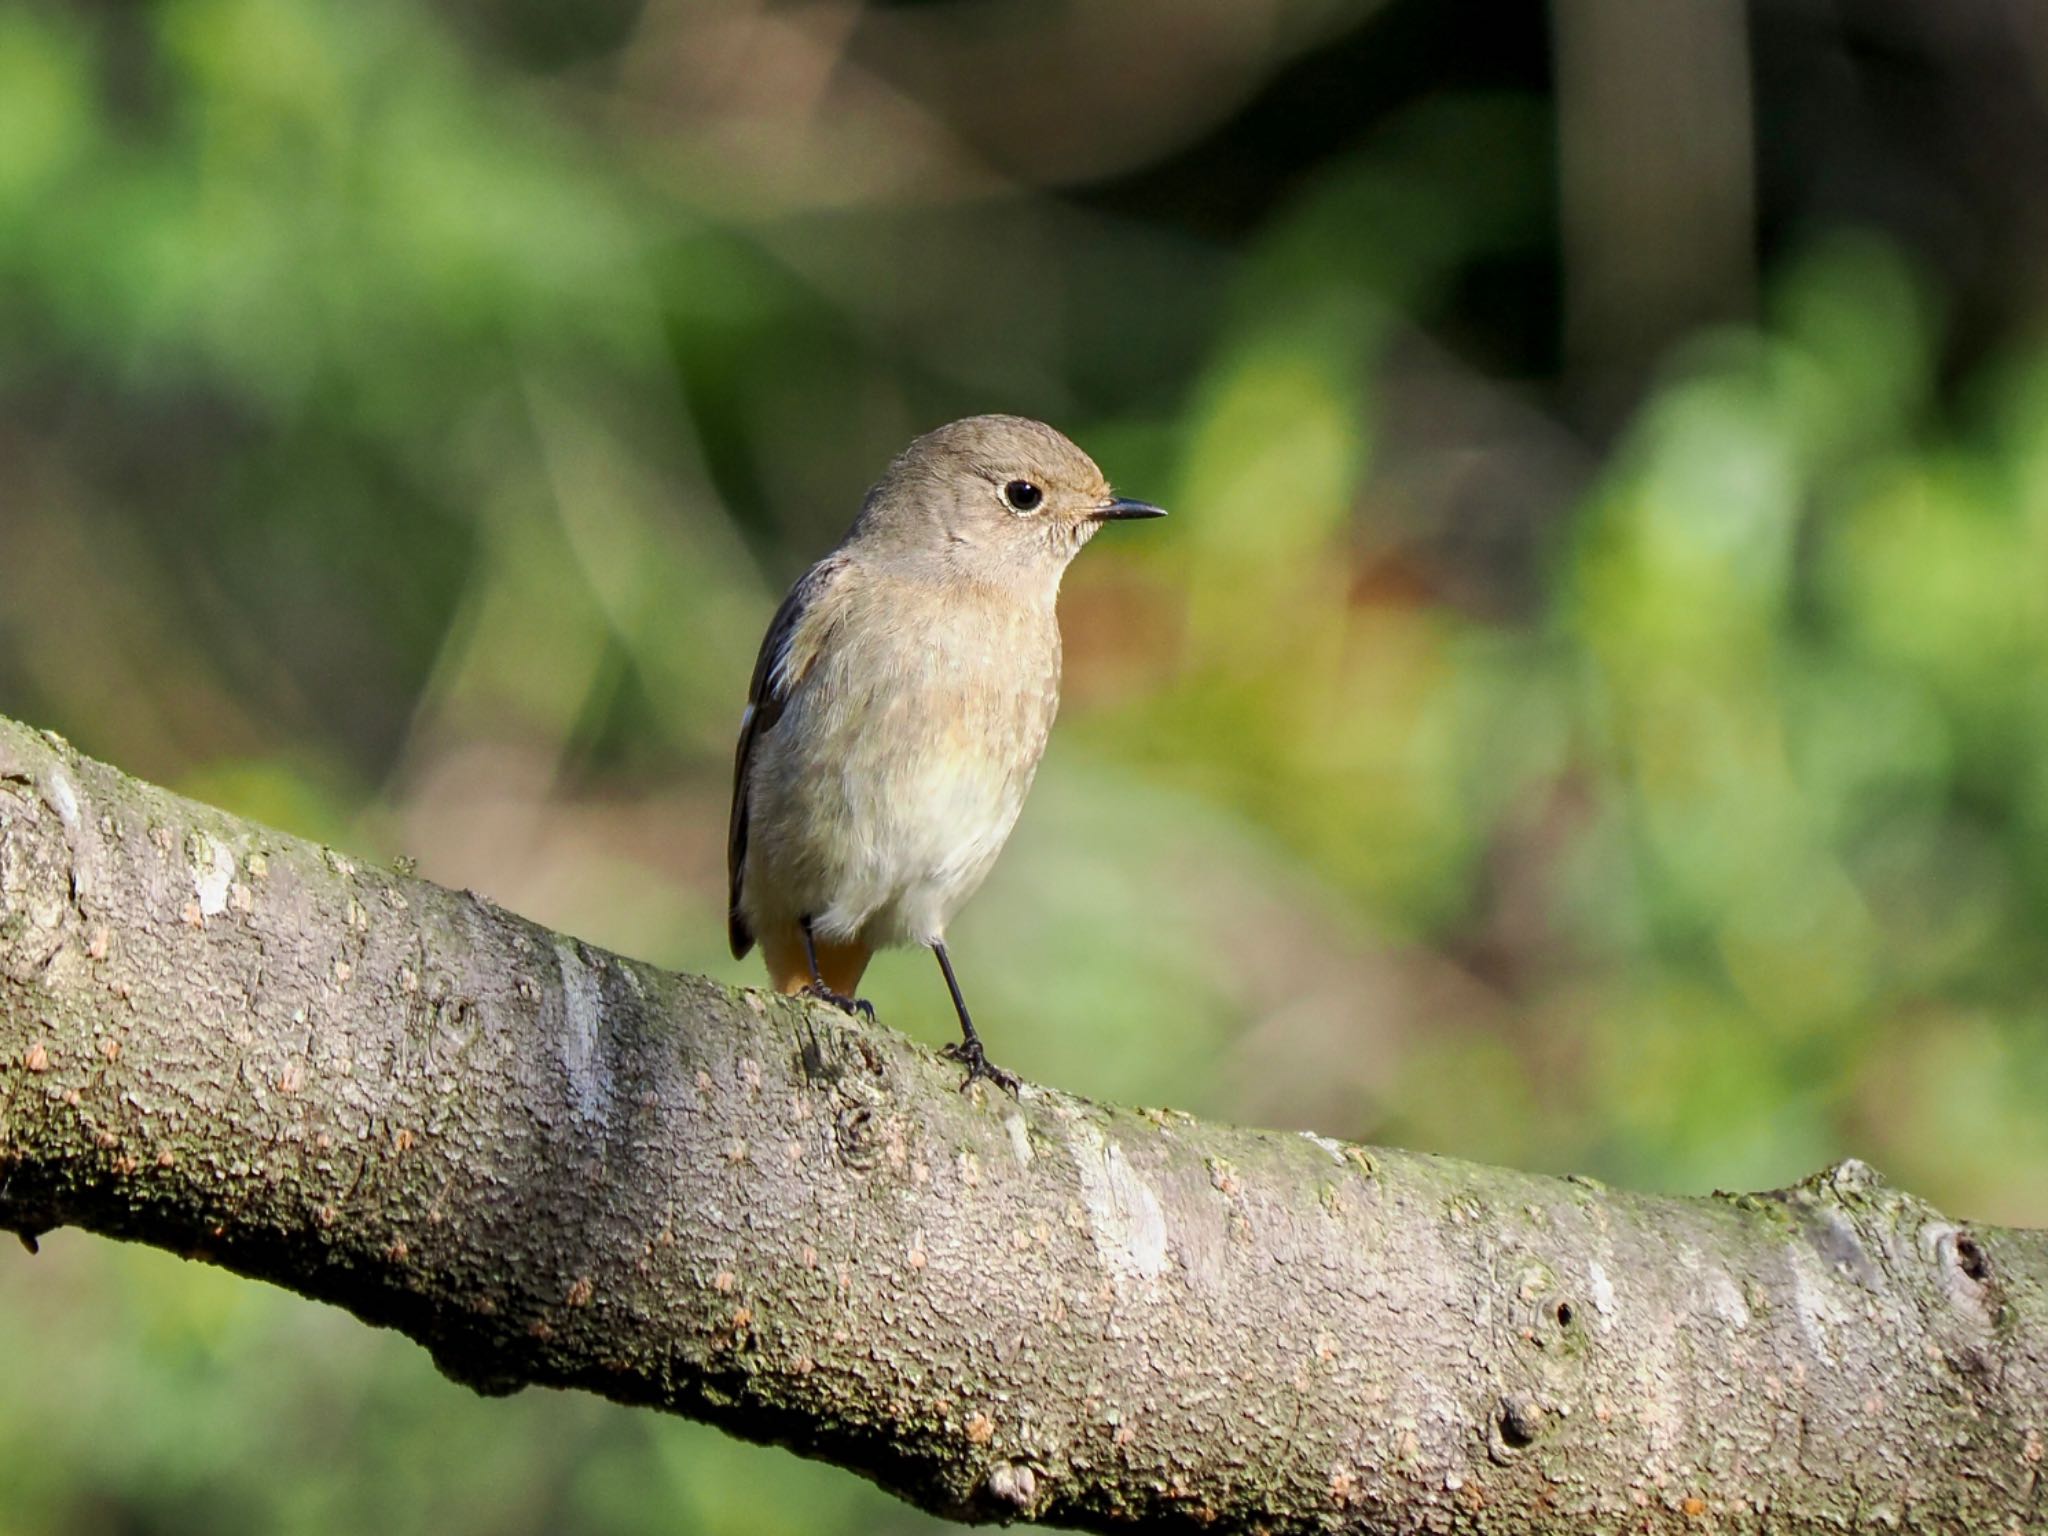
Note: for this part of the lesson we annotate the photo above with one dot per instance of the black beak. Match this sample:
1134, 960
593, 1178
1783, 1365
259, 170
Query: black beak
1123, 509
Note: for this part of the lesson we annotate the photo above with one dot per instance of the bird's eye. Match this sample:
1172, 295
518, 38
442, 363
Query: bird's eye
1023, 496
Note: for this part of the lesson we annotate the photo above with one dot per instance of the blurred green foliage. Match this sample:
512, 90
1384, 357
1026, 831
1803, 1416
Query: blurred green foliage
403, 441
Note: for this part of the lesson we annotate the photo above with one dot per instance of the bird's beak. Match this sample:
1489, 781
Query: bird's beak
1123, 509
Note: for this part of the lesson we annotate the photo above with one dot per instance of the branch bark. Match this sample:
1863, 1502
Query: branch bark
549, 1164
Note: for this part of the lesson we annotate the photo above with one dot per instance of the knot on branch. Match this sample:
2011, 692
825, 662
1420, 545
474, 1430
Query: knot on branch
1967, 1276
1015, 1484
1849, 1181
1518, 1423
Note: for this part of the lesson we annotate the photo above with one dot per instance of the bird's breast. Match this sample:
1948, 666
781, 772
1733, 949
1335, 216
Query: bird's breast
920, 713
894, 777
967, 694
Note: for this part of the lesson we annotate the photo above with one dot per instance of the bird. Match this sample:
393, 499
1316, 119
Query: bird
899, 706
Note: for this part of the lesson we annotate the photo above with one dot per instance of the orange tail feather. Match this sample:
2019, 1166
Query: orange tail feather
840, 964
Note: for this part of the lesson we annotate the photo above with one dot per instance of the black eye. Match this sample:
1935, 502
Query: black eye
1023, 496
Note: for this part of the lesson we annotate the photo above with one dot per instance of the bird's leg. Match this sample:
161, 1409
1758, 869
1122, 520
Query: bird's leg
969, 1049
818, 989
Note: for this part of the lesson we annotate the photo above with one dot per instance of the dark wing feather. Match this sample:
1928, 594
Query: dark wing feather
767, 695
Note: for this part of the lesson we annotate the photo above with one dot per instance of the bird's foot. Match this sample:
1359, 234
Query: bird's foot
841, 1001
970, 1054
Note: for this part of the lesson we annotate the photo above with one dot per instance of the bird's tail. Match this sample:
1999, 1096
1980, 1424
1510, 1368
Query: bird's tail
840, 964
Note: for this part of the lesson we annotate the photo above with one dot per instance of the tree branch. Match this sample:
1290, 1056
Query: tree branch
548, 1164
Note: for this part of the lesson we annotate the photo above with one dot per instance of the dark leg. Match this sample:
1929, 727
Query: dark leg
969, 1049
818, 989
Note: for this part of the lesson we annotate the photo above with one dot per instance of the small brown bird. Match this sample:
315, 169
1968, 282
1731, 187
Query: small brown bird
900, 704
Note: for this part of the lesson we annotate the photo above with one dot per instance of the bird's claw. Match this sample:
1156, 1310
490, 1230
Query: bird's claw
970, 1054
841, 1001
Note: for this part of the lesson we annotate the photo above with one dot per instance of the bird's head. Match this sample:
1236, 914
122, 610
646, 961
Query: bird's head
998, 497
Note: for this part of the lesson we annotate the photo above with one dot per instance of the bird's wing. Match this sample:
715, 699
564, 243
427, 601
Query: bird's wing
795, 636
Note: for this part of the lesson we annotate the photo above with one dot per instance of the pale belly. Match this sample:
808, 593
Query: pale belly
920, 850
876, 812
